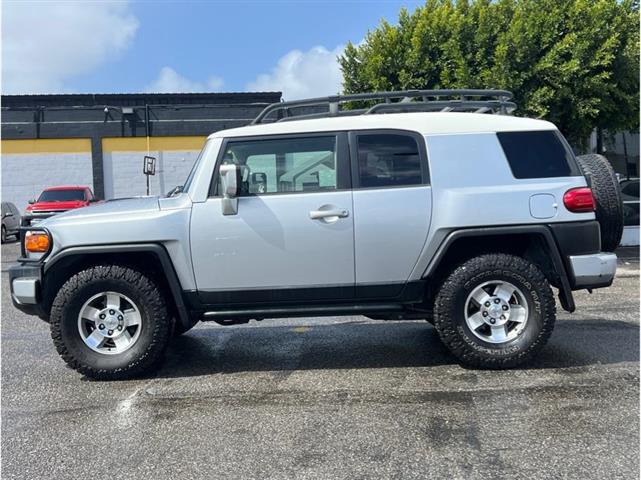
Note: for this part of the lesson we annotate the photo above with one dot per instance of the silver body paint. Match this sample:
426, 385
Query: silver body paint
389, 235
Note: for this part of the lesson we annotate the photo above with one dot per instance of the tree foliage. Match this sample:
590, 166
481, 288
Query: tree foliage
573, 62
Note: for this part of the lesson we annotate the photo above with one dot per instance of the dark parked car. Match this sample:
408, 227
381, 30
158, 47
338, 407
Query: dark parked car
10, 220
630, 195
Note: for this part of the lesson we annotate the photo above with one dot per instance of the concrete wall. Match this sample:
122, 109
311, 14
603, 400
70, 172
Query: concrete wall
29, 166
123, 164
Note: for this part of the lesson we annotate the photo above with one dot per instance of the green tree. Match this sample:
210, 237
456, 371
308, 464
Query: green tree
573, 62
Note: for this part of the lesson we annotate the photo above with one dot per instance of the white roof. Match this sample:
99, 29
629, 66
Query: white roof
425, 123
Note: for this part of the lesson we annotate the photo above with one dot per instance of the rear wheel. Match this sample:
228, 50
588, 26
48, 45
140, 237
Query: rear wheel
607, 195
110, 322
3, 237
495, 311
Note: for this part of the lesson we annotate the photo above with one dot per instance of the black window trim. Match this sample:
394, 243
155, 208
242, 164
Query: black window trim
343, 170
422, 152
572, 163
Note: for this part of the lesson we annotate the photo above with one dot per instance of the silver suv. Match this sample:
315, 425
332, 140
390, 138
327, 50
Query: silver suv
430, 205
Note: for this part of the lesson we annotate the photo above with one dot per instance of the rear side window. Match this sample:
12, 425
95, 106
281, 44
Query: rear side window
388, 160
538, 154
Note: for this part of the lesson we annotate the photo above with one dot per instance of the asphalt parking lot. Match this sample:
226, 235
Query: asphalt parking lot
331, 398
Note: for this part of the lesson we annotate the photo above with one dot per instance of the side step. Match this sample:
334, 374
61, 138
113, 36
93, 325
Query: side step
303, 311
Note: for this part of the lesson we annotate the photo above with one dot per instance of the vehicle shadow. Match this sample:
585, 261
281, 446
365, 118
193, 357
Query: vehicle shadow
359, 345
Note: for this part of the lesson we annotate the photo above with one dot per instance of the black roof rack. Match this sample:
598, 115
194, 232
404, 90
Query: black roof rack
479, 101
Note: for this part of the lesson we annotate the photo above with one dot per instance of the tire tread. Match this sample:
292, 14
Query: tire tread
607, 195
153, 298
454, 282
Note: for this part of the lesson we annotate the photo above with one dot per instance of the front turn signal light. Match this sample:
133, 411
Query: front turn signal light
37, 242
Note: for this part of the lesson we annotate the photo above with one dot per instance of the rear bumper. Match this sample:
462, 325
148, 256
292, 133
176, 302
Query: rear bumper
594, 270
580, 246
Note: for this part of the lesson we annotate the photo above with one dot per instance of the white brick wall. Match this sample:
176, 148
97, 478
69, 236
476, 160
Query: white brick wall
124, 178
24, 176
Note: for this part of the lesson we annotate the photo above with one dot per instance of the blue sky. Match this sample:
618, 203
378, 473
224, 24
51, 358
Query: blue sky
107, 47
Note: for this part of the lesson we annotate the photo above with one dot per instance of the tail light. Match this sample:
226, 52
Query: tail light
579, 200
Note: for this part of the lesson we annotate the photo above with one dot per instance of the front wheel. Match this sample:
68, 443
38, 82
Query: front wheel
495, 311
110, 322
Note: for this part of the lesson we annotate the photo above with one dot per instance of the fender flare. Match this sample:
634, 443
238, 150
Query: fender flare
565, 291
165, 263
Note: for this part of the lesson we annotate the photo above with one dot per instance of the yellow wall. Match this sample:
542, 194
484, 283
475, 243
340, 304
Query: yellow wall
139, 144
46, 145
119, 144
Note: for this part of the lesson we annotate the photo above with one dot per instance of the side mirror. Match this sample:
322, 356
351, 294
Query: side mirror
32, 201
8, 214
230, 180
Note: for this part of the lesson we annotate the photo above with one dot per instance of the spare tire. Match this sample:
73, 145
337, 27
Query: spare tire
607, 195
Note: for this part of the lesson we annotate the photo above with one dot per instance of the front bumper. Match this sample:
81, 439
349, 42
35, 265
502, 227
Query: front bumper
595, 270
25, 282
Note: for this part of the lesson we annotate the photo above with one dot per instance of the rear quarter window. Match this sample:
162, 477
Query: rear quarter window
541, 154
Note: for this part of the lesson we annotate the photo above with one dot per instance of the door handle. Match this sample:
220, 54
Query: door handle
320, 214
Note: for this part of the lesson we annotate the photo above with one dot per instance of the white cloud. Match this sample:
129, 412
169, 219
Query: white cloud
170, 81
303, 74
45, 44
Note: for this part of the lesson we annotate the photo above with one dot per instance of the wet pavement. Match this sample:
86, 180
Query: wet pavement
338, 397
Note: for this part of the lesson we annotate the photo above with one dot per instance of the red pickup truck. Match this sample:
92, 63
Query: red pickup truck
55, 200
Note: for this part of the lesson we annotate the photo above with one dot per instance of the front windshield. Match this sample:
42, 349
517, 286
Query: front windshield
192, 172
61, 195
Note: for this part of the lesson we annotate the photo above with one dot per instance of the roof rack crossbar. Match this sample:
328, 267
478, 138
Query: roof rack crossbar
411, 100
442, 105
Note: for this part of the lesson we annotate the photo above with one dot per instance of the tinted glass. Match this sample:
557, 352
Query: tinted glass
630, 188
285, 165
537, 154
388, 160
61, 195
631, 214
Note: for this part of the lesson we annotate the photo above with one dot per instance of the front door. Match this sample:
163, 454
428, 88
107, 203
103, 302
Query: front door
292, 239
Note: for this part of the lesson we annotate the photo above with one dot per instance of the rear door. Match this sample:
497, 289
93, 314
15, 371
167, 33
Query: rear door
293, 236
392, 208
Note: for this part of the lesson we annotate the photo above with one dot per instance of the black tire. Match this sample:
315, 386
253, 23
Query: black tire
607, 195
449, 311
3, 235
155, 331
